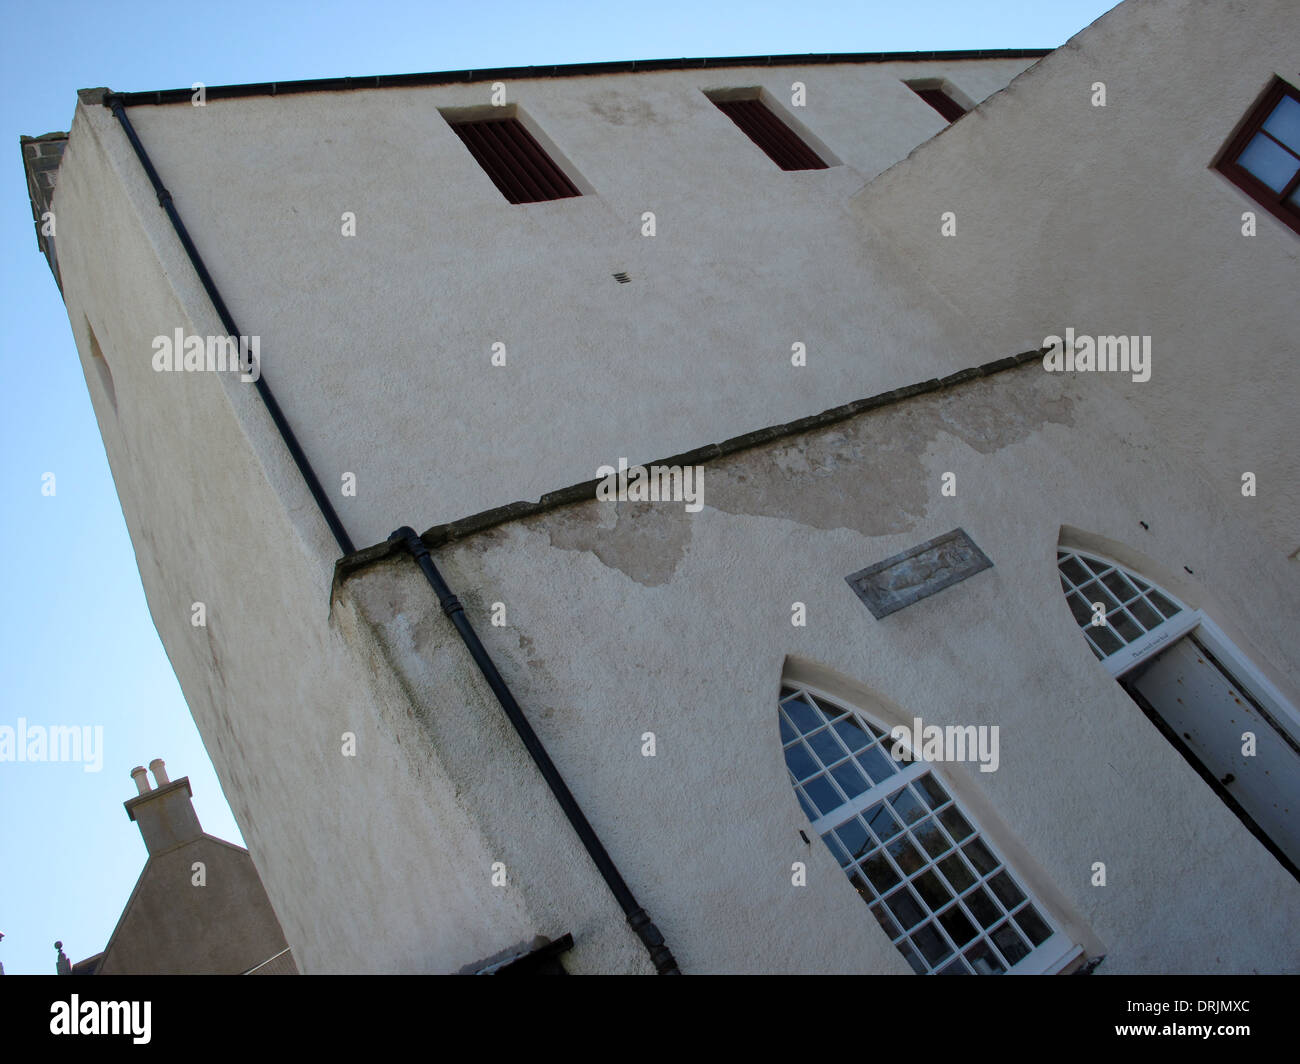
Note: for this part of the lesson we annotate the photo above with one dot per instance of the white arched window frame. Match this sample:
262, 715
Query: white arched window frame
1088, 579
934, 880
1140, 618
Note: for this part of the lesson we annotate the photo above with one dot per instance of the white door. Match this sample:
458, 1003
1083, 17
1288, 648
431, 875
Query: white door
1209, 711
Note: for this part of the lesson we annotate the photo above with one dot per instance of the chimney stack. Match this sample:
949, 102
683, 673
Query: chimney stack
166, 814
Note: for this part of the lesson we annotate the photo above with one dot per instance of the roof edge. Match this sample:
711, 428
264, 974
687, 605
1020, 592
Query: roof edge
396, 81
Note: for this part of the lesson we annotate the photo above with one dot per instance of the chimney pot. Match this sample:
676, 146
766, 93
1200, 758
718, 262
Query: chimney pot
159, 770
141, 779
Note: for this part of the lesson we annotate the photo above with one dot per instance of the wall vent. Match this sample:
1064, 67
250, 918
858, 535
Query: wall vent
761, 125
513, 159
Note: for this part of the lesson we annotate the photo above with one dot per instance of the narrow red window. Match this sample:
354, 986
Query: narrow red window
940, 95
514, 161
765, 129
942, 102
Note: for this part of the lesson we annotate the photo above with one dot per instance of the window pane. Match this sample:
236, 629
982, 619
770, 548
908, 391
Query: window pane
848, 777
955, 968
1118, 586
823, 795
854, 735
1269, 162
984, 960
959, 928
1106, 640
932, 840
1123, 624
912, 958
807, 805
1076, 572
907, 806
1010, 943
1033, 925
1081, 610
800, 761
1146, 616
1161, 603
880, 872
836, 849
931, 944
1095, 593
885, 920
827, 747
803, 715
956, 872
956, 824
905, 908
882, 822
877, 765
932, 890
1284, 123
1008, 893
978, 855
864, 891
787, 731
930, 790
854, 837
982, 907
905, 855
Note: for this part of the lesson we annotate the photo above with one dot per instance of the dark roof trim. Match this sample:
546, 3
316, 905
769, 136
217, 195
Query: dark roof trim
401, 81
440, 535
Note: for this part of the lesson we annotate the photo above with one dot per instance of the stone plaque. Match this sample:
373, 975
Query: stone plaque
888, 586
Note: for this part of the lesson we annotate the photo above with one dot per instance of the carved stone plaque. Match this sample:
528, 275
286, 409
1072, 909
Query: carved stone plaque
888, 586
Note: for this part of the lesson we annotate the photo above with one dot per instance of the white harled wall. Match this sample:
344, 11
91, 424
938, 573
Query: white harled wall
378, 347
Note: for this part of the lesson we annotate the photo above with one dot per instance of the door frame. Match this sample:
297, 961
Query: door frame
1238, 666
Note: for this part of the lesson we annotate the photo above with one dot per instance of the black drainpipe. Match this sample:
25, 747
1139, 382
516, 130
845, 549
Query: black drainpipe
637, 917
112, 101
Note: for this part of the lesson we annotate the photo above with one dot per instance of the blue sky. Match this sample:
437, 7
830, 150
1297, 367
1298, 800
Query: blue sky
77, 643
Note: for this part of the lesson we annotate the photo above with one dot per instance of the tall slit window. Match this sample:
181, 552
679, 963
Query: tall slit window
1263, 156
940, 95
943, 894
513, 159
761, 124
1134, 612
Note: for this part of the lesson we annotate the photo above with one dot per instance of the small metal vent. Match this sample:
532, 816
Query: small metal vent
622, 278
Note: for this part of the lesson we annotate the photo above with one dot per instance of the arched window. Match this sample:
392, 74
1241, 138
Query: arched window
1117, 609
942, 892
1231, 724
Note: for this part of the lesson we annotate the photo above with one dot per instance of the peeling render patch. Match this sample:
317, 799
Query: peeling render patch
867, 474
979, 429
645, 541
